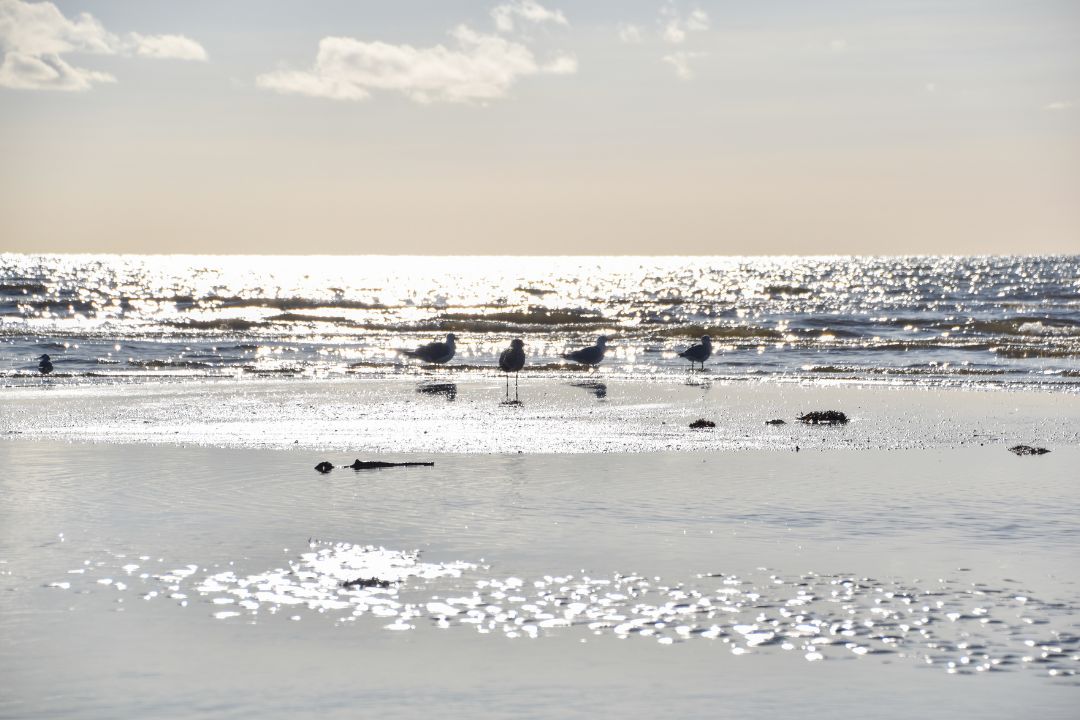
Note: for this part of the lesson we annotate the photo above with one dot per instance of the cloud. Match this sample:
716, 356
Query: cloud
680, 61
46, 72
529, 10
176, 47
675, 27
477, 67
630, 33
33, 36
1060, 105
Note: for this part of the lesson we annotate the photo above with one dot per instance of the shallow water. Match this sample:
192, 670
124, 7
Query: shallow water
977, 527
974, 321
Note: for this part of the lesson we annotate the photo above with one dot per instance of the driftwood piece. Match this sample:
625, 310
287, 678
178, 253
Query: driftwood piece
374, 464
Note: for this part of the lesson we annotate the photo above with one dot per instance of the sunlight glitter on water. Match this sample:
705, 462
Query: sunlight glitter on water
962, 628
997, 320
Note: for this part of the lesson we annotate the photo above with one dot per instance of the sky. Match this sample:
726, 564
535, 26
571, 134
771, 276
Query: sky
539, 127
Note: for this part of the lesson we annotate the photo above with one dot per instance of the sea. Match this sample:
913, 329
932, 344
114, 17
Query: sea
999, 322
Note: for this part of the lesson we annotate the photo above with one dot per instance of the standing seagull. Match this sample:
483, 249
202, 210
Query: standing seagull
45, 365
436, 352
591, 355
699, 353
511, 360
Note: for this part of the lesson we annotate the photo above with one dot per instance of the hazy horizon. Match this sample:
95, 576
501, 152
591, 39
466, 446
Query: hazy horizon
515, 127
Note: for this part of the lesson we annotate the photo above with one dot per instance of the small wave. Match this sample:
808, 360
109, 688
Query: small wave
717, 331
786, 290
235, 324
901, 371
61, 306
191, 364
22, 288
1018, 326
310, 318
271, 370
532, 316
289, 303
1020, 352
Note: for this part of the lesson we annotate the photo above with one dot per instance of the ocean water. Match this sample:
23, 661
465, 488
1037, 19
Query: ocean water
157, 581
958, 321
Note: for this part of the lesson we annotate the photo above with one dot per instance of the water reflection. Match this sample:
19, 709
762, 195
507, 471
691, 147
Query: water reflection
698, 381
447, 390
598, 389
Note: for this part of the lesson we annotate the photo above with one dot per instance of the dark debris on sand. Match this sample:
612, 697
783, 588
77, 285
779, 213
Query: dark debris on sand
1027, 450
374, 464
777, 421
824, 417
366, 583
702, 423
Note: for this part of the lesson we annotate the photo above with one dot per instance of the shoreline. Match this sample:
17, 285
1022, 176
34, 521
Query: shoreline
596, 413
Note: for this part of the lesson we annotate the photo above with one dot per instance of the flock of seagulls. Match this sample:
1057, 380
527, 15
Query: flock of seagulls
512, 359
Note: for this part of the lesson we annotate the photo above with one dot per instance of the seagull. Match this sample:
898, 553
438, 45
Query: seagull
698, 353
436, 352
511, 360
45, 366
591, 355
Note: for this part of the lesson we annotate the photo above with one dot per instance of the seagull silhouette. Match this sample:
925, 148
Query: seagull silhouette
698, 353
592, 355
436, 352
45, 366
511, 360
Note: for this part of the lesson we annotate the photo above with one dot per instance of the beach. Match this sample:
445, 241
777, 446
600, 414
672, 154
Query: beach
139, 523
518, 359
630, 537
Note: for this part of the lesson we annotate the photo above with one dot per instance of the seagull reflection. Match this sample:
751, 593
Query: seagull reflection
598, 389
699, 382
447, 390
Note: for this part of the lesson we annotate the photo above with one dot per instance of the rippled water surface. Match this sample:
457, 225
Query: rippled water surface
959, 321
142, 581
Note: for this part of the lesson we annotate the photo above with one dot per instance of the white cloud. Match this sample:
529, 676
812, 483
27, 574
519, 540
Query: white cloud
478, 67
176, 47
46, 72
697, 20
33, 36
1060, 105
630, 33
680, 61
529, 10
675, 27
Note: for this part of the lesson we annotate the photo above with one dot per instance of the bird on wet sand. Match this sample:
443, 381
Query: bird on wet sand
44, 365
698, 353
592, 355
511, 360
436, 352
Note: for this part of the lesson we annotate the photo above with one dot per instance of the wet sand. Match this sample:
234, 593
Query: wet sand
446, 411
972, 527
